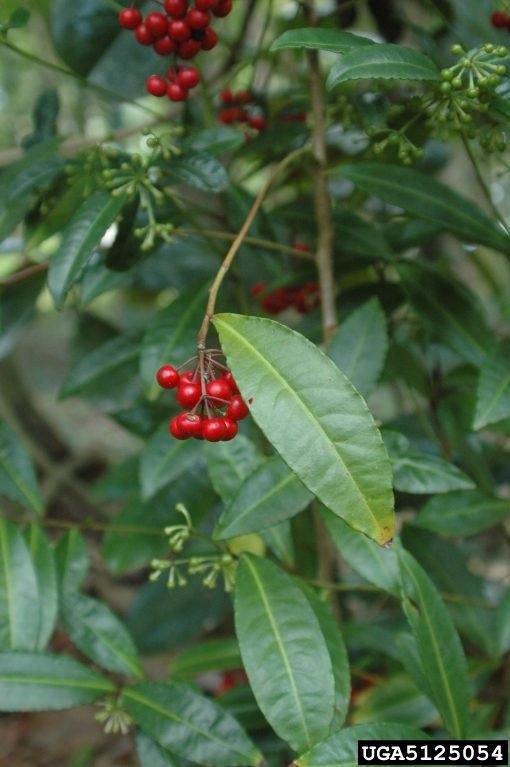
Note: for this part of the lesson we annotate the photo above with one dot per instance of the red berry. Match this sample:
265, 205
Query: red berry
259, 123
277, 301
499, 19
226, 96
157, 87
157, 24
187, 376
164, 46
179, 30
210, 39
198, 19
258, 288
219, 390
238, 409
143, 35
188, 77
223, 8
190, 424
176, 8
175, 430
188, 394
214, 430
229, 378
189, 49
232, 429
167, 376
206, 5
244, 97
130, 18
302, 246
226, 116
177, 93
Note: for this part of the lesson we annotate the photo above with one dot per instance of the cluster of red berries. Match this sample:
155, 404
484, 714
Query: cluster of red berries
204, 399
304, 298
180, 82
181, 31
500, 20
234, 111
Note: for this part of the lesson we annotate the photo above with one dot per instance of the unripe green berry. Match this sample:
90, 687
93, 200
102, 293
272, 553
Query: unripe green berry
457, 82
473, 93
462, 103
418, 153
378, 149
152, 142
501, 51
441, 118
501, 70
501, 146
467, 63
407, 161
456, 49
494, 80
394, 139
465, 119
488, 48
483, 81
484, 142
371, 132
402, 154
445, 87
447, 74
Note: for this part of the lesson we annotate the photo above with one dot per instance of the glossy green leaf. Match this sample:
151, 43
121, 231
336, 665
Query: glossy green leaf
421, 473
59, 215
326, 435
334, 40
200, 171
355, 236
213, 655
397, 699
164, 459
448, 570
97, 632
189, 724
382, 62
17, 307
439, 645
230, 463
17, 474
493, 390
409, 655
18, 18
376, 565
279, 540
80, 240
503, 625
428, 198
19, 594
151, 754
450, 312
284, 653
337, 652
403, 235
341, 749
81, 33
71, 560
270, 495
214, 141
360, 345
103, 369
31, 681
47, 584
171, 337
466, 512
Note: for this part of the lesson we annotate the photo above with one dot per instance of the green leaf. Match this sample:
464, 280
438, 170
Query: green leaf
284, 653
213, 655
325, 434
355, 236
80, 240
17, 307
360, 345
72, 561
439, 645
19, 595
398, 699
279, 540
421, 473
31, 681
403, 235
164, 460
334, 40
46, 575
341, 749
270, 495
230, 463
337, 652
466, 512
97, 632
171, 337
503, 625
214, 141
81, 33
17, 475
493, 390
428, 198
189, 724
376, 565
200, 171
18, 18
103, 370
450, 312
382, 62
151, 754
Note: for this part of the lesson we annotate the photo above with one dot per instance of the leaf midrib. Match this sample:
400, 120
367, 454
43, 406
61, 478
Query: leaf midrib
56, 682
8, 582
281, 647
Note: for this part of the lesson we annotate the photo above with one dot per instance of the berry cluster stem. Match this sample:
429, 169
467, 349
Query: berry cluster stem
213, 291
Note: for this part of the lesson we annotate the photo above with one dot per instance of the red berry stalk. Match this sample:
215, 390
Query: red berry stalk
211, 400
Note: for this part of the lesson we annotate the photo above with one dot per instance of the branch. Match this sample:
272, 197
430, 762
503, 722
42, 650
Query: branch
23, 273
267, 244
